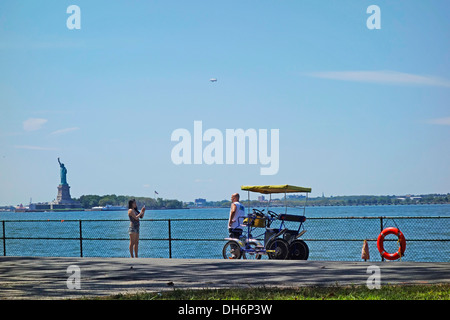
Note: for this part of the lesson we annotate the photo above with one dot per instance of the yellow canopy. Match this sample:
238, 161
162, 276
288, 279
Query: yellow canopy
284, 188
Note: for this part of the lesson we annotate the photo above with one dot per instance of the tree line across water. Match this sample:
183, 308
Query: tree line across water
89, 201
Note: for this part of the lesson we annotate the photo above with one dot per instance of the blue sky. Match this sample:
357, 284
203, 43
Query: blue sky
359, 111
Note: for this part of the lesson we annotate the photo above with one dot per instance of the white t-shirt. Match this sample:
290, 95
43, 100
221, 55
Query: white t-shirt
238, 216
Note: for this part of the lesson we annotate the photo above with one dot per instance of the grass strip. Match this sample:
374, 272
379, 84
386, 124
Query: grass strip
387, 292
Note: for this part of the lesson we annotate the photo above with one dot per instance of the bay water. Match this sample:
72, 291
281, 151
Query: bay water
333, 233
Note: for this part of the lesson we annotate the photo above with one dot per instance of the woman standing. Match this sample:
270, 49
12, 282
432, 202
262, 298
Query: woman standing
134, 215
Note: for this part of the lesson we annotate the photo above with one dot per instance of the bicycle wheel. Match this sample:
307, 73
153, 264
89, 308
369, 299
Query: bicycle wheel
298, 250
251, 254
278, 249
231, 250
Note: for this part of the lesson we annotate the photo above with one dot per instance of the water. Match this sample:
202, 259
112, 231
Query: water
222, 213
204, 238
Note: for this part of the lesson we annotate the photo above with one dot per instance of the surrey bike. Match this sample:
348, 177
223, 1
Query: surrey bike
248, 246
278, 242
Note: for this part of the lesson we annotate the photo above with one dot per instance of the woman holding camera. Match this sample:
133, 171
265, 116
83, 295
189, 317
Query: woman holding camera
134, 215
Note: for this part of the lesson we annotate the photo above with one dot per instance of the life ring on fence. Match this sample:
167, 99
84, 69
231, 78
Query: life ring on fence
401, 240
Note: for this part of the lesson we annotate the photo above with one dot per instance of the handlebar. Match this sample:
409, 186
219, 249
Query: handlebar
258, 212
273, 214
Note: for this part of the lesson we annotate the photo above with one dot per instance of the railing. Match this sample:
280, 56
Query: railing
330, 238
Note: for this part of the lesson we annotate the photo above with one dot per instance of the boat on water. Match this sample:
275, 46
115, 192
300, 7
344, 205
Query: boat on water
21, 208
113, 208
109, 207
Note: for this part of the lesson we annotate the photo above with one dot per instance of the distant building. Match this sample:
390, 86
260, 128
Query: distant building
261, 198
200, 202
295, 197
408, 196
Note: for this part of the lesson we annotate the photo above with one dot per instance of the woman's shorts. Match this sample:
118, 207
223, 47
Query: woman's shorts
133, 230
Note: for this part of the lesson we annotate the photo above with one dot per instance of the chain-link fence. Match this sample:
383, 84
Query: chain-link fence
333, 238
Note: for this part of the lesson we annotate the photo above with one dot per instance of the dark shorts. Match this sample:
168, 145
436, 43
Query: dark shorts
133, 230
235, 233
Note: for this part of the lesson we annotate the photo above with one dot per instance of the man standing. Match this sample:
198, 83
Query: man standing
237, 215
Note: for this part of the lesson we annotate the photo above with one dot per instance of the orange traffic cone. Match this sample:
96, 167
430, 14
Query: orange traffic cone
365, 251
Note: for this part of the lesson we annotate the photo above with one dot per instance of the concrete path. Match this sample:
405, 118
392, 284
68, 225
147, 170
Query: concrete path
46, 278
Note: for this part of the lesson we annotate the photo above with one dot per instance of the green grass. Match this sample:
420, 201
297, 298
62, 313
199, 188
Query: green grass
387, 292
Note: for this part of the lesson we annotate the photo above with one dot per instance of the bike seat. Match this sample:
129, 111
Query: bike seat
291, 217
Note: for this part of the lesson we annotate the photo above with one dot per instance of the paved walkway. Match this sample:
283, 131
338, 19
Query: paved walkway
46, 278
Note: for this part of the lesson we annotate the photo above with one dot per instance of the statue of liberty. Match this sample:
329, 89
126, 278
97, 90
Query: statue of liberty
63, 173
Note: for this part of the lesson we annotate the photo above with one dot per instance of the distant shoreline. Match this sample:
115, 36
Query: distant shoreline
86, 210
90, 201
215, 207
321, 205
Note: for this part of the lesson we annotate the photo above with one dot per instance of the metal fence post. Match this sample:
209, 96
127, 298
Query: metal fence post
4, 238
381, 230
170, 240
81, 241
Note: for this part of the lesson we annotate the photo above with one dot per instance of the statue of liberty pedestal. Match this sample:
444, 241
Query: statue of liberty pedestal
63, 199
63, 196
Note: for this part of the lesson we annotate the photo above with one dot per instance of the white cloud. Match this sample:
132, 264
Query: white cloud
33, 124
34, 148
440, 121
383, 77
63, 131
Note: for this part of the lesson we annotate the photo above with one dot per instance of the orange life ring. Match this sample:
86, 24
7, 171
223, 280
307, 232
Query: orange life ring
401, 239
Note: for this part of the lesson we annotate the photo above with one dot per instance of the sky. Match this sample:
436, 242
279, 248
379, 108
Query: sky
359, 111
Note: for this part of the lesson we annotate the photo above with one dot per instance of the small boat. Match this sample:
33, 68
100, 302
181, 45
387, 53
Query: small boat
109, 207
